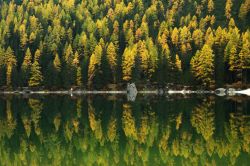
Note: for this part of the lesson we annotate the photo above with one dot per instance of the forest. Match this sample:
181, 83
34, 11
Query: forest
93, 43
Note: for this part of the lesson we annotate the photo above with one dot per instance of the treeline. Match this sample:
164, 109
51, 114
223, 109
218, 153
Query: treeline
63, 43
59, 131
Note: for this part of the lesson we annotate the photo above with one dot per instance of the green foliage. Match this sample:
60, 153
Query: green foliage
10, 61
79, 76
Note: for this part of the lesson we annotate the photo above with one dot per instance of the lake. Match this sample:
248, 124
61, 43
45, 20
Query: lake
110, 130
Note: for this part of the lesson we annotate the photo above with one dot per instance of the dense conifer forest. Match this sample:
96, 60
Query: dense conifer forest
93, 43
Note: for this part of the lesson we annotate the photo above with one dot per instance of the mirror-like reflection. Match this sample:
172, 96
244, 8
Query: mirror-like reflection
99, 131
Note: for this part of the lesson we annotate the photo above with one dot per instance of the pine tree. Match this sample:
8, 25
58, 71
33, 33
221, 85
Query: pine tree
153, 58
94, 63
128, 62
37, 55
79, 76
210, 6
68, 54
57, 70
185, 37
202, 65
234, 60
2, 67
209, 37
10, 64
235, 63
178, 63
23, 36
144, 57
220, 37
57, 63
228, 9
198, 38
26, 66
244, 9
76, 60
175, 36
36, 77
112, 59
234, 38
244, 54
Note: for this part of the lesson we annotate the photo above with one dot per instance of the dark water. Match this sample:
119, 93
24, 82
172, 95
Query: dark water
104, 130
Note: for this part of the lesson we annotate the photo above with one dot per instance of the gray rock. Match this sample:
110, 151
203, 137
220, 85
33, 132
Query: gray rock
220, 92
131, 91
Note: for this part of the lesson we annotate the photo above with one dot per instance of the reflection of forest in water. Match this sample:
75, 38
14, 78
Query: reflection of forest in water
64, 131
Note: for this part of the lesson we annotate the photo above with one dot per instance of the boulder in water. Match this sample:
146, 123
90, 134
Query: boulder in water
131, 91
231, 91
220, 92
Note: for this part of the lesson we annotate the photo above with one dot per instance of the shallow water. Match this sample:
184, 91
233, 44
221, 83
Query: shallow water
109, 130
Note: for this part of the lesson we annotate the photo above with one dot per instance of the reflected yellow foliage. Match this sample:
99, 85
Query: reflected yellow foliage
95, 124
112, 129
202, 120
163, 144
122, 138
128, 122
178, 121
57, 121
143, 130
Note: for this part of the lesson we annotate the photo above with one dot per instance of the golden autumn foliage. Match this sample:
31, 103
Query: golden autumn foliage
202, 65
128, 62
139, 41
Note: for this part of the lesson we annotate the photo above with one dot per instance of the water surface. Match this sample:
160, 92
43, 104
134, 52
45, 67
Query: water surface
108, 130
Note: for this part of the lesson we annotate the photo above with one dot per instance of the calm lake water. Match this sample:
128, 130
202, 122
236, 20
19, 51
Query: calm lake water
108, 130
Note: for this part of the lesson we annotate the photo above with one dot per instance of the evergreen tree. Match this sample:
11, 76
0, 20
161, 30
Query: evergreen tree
26, 66
2, 67
10, 65
234, 60
112, 59
198, 38
57, 63
94, 63
36, 77
153, 58
144, 57
37, 55
128, 62
202, 65
178, 63
175, 36
185, 37
228, 8
23, 36
57, 70
244, 54
79, 76
210, 6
